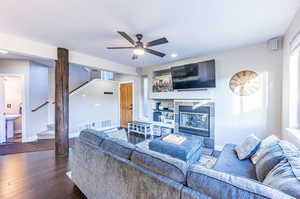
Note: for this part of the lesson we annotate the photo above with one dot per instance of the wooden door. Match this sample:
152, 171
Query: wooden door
126, 104
2, 110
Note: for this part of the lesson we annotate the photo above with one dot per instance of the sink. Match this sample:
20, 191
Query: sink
12, 117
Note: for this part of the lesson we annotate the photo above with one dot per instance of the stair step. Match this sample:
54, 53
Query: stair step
50, 126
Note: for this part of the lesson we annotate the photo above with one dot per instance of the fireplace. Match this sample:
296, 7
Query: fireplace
196, 118
194, 121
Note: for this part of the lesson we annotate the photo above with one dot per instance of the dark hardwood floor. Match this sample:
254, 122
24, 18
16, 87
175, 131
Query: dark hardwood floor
36, 175
41, 145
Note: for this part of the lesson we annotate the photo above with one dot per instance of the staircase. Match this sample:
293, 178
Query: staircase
90, 113
47, 134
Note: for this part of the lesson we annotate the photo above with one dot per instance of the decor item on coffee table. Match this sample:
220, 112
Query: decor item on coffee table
245, 83
174, 139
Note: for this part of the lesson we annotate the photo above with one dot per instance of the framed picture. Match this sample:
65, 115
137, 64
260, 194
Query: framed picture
162, 84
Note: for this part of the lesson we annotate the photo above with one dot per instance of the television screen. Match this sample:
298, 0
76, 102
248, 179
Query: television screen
193, 76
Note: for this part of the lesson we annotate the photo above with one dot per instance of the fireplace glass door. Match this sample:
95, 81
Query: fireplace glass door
196, 121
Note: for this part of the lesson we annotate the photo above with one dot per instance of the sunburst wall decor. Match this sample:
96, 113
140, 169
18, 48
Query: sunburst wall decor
245, 83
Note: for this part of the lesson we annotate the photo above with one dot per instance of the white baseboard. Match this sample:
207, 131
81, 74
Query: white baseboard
30, 139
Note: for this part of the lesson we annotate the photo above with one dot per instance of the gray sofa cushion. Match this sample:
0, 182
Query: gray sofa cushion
228, 162
118, 147
92, 136
219, 185
164, 165
271, 156
108, 176
183, 151
268, 141
188, 193
285, 176
248, 147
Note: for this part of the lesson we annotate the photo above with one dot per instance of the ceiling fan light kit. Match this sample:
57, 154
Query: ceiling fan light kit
138, 51
139, 48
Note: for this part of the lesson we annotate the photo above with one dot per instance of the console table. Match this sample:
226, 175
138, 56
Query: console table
140, 128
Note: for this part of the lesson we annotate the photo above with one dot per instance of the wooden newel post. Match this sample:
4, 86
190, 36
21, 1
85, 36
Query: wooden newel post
62, 103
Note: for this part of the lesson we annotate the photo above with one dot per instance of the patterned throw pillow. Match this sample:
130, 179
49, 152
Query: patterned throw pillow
269, 141
248, 147
272, 155
285, 176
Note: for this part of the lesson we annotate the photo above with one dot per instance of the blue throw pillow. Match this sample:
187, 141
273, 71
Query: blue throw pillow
285, 176
267, 142
248, 147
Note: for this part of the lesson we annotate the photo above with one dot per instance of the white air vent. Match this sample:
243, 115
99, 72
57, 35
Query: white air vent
106, 123
275, 43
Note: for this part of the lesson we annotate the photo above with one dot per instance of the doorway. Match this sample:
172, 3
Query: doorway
126, 104
11, 103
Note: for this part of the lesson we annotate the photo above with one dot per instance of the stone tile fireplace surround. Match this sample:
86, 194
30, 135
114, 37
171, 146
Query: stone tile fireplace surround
196, 118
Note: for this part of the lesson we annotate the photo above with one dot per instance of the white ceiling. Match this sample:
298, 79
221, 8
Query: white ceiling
193, 27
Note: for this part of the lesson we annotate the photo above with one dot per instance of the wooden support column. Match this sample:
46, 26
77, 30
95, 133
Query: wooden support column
62, 103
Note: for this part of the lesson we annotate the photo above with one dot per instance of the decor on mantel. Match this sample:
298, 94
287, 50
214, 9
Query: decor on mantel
245, 83
162, 83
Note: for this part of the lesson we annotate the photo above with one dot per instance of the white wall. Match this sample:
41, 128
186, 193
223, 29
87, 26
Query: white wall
90, 105
292, 31
36, 49
13, 94
38, 94
2, 108
238, 117
77, 76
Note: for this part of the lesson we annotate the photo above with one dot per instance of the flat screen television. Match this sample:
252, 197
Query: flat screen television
194, 76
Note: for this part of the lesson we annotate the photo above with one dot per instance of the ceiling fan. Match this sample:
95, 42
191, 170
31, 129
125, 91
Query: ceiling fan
139, 48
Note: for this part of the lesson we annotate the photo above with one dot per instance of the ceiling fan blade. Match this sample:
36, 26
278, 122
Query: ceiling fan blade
157, 42
134, 57
120, 47
127, 37
154, 52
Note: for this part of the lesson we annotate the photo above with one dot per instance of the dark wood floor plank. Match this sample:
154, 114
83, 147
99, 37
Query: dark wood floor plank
41, 145
36, 175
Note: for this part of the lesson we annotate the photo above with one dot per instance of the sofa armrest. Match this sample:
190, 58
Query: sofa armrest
219, 185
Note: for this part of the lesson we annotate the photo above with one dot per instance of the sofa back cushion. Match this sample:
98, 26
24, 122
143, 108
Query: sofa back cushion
161, 164
271, 156
118, 147
228, 162
92, 136
219, 185
285, 176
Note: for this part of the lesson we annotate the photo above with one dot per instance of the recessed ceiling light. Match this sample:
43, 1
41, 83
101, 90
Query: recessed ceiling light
3, 52
173, 55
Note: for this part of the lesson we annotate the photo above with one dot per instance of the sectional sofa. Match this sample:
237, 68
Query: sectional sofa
108, 168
